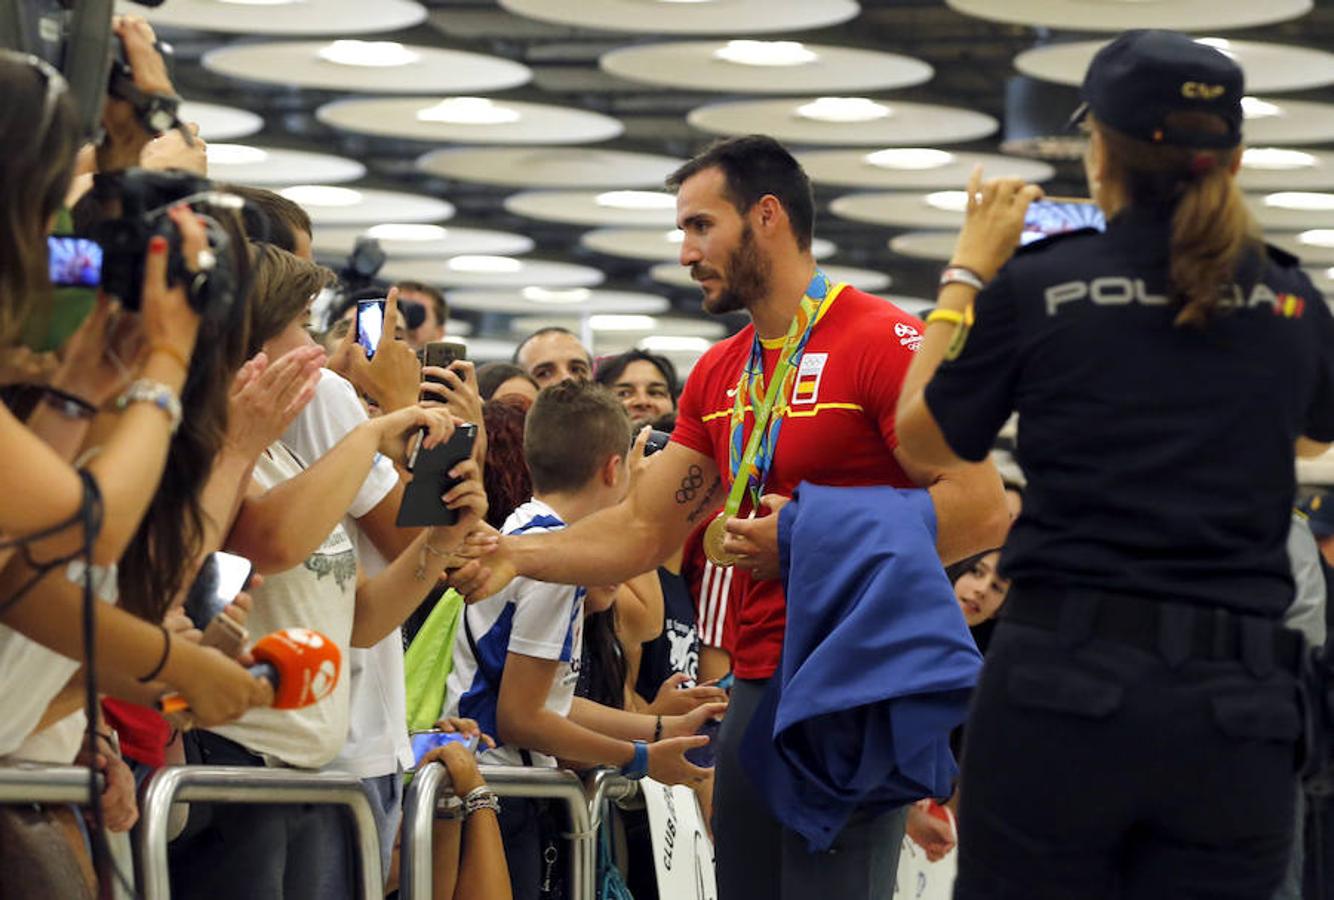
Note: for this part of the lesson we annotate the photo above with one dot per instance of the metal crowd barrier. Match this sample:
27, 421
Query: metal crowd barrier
583, 803
240, 784
30, 783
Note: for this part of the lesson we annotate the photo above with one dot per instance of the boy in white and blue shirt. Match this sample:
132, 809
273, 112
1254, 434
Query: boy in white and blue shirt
533, 618
516, 654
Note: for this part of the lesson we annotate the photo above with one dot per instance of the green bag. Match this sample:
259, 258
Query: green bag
428, 660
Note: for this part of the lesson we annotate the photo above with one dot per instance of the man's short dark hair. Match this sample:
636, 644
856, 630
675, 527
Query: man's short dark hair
550, 329
270, 217
572, 429
753, 166
437, 298
612, 367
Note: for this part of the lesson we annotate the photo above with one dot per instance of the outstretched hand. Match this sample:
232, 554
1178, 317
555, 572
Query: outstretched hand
488, 568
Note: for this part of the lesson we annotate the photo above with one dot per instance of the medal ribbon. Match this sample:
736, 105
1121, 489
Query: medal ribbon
750, 466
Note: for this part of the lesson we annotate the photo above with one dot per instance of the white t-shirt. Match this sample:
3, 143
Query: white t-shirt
320, 594
31, 676
377, 737
58, 743
532, 618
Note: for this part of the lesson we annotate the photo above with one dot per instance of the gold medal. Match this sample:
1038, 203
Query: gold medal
713, 543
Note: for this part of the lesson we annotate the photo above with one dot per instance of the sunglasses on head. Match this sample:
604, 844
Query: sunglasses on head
55, 86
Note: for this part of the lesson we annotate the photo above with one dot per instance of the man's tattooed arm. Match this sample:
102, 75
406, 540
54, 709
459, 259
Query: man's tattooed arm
690, 490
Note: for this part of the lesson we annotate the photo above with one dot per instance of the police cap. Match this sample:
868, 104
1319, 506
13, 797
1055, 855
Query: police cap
1143, 76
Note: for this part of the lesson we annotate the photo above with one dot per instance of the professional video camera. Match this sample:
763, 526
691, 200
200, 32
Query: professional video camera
75, 36
144, 196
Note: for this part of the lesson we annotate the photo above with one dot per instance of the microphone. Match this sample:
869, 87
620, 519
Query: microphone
301, 664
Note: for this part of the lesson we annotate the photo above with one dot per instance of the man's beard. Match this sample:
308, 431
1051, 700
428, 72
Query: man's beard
747, 277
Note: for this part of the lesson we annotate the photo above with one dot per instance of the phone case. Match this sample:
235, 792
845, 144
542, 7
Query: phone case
225, 635
421, 505
442, 354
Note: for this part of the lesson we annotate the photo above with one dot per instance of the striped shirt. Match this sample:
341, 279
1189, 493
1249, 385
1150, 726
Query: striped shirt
530, 618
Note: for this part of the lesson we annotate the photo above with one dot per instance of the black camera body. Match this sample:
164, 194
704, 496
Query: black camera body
144, 197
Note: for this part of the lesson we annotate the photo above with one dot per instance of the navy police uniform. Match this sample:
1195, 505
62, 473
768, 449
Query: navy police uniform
1136, 727
1138, 715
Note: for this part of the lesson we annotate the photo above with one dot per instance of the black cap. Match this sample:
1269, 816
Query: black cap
1137, 80
414, 314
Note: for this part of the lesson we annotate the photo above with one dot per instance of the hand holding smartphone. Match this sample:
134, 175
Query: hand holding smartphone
423, 742
422, 505
220, 579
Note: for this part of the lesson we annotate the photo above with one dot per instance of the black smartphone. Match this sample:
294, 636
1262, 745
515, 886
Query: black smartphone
442, 354
657, 440
705, 756
370, 324
422, 506
220, 579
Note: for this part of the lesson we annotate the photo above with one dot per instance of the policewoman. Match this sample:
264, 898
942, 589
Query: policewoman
1136, 727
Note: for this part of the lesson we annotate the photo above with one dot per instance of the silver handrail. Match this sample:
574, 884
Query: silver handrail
423, 796
243, 784
33, 783
607, 784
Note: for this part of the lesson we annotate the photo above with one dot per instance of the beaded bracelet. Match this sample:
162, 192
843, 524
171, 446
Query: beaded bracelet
480, 798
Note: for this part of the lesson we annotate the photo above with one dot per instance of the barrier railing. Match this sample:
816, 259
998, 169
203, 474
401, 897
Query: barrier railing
30, 783
583, 803
239, 784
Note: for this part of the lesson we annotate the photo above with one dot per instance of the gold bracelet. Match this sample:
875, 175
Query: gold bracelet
421, 559
171, 351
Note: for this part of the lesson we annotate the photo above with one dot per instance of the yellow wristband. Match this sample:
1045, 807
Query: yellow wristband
949, 316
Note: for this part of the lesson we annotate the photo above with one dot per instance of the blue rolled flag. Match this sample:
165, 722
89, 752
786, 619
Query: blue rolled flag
877, 667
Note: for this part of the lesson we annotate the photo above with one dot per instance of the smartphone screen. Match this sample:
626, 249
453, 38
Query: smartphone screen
220, 579
370, 324
74, 261
1059, 215
424, 742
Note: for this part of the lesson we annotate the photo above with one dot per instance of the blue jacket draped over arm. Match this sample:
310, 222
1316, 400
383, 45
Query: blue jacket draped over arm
877, 663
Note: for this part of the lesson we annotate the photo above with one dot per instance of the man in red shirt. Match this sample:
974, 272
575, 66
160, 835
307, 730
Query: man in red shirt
748, 212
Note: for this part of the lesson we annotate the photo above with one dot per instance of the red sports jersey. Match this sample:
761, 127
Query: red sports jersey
715, 590
839, 430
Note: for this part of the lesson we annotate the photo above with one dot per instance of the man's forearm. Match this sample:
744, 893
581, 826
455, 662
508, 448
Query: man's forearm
606, 548
970, 511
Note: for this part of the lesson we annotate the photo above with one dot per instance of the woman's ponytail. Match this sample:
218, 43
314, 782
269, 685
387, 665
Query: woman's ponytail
1212, 230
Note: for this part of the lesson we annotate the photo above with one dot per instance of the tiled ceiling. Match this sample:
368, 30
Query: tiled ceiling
972, 60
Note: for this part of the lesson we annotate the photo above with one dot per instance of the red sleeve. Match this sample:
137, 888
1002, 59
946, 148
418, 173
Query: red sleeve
885, 362
690, 431
716, 593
